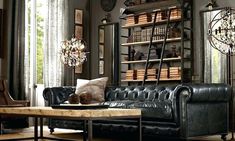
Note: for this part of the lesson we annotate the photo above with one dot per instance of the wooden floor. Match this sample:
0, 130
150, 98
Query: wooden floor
76, 135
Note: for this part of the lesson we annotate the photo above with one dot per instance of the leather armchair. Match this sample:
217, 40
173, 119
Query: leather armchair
5, 101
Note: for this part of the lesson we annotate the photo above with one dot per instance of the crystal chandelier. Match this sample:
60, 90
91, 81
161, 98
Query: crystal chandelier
221, 33
73, 52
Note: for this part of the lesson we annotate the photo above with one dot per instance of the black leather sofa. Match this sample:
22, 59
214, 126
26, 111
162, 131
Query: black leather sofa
181, 111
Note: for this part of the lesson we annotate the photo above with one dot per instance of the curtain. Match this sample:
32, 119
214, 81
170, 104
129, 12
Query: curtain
215, 67
56, 31
15, 45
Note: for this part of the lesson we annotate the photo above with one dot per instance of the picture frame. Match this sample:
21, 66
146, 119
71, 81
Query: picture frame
101, 51
78, 69
78, 16
101, 67
101, 35
78, 31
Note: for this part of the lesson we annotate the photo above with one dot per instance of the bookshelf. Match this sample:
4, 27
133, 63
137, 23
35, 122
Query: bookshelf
138, 27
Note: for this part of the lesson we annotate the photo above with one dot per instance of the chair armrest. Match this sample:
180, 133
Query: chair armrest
25, 103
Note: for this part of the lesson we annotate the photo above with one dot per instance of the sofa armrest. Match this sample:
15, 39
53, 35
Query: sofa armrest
206, 92
57, 95
203, 109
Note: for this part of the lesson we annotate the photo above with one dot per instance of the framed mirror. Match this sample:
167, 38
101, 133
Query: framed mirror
214, 63
108, 62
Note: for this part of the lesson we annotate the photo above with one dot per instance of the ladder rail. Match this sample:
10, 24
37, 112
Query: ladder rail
149, 48
163, 48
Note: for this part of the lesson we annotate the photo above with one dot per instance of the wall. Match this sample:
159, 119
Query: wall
85, 6
3, 59
97, 14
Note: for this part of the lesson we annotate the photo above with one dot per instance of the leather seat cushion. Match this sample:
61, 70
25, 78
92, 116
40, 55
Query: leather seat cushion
154, 109
118, 103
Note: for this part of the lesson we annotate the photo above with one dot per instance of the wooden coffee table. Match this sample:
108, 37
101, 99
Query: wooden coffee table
87, 115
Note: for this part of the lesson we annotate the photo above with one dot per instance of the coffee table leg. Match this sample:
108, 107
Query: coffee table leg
89, 130
140, 129
41, 127
35, 129
84, 131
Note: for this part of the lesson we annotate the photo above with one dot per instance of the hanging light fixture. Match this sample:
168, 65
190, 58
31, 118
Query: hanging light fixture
73, 52
221, 33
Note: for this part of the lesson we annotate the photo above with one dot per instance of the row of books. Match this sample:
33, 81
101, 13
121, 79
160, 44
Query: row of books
143, 18
171, 72
159, 33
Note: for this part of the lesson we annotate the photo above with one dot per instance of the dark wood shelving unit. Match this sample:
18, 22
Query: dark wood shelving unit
184, 23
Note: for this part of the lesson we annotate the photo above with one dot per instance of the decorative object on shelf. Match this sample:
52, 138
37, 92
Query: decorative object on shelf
129, 3
106, 19
138, 55
73, 52
178, 52
212, 4
107, 5
132, 55
173, 51
221, 33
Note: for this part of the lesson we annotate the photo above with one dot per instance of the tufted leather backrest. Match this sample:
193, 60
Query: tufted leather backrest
154, 101
140, 93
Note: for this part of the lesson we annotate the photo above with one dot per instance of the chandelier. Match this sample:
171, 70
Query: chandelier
73, 52
221, 33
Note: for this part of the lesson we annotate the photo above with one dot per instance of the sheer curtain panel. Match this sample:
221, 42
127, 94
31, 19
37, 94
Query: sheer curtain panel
56, 30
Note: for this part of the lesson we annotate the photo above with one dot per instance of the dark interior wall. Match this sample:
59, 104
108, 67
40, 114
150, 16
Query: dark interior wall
83, 5
97, 14
200, 5
3, 60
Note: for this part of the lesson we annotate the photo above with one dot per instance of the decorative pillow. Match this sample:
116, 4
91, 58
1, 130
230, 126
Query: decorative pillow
95, 87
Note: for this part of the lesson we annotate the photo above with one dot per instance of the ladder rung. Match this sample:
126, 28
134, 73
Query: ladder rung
124, 54
188, 28
152, 48
124, 36
187, 48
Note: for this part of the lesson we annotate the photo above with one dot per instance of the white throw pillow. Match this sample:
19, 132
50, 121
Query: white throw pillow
95, 87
